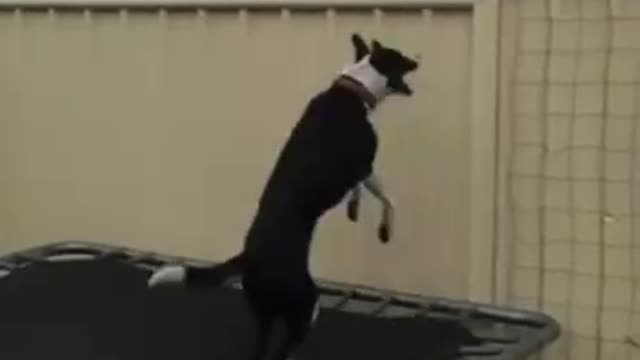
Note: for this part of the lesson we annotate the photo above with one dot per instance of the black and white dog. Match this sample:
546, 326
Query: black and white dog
329, 154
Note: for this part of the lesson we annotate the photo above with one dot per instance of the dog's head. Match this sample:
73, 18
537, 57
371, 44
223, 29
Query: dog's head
387, 63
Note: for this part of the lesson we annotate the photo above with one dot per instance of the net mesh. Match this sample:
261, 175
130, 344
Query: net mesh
574, 174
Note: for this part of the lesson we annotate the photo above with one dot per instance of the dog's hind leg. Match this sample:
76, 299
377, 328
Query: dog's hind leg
298, 322
263, 331
296, 329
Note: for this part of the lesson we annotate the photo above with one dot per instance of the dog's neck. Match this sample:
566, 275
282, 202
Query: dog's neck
353, 85
366, 81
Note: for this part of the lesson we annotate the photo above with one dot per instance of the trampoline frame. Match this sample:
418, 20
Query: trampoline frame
516, 334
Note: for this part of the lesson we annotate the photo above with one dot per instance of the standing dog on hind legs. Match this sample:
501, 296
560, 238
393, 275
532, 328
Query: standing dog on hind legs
329, 153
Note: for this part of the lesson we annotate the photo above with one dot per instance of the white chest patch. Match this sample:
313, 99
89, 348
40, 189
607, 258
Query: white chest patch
369, 77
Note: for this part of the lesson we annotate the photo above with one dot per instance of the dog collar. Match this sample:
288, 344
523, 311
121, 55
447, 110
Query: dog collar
352, 84
365, 74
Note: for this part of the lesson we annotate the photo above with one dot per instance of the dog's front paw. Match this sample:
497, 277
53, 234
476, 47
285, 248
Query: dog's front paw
167, 275
384, 233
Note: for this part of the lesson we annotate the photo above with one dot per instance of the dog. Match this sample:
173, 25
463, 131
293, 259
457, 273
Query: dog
328, 157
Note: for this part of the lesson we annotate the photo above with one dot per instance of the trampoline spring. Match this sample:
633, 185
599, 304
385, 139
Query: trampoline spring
147, 262
144, 260
4, 265
115, 255
109, 254
424, 310
509, 318
465, 315
445, 308
326, 291
368, 297
381, 307
346, 297
480, 350
22, 260
408, 304
498, 340
70, 247
69, 252
431, 309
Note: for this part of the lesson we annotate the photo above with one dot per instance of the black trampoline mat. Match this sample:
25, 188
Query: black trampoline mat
102, 310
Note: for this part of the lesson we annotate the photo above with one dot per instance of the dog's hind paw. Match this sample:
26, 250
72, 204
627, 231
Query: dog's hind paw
167, 275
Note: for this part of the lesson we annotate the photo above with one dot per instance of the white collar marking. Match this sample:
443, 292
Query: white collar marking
369, 77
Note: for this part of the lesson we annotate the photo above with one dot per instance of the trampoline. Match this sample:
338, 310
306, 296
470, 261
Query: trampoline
89, 301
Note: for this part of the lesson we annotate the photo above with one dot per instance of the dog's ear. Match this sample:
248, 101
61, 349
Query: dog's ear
360, 46
376, 46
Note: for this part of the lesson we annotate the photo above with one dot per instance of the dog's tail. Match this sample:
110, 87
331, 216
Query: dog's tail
199, 277
216, 275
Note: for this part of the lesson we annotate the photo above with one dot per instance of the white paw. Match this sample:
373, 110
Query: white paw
167, 274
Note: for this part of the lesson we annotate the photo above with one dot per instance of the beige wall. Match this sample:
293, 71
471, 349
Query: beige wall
157, 131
